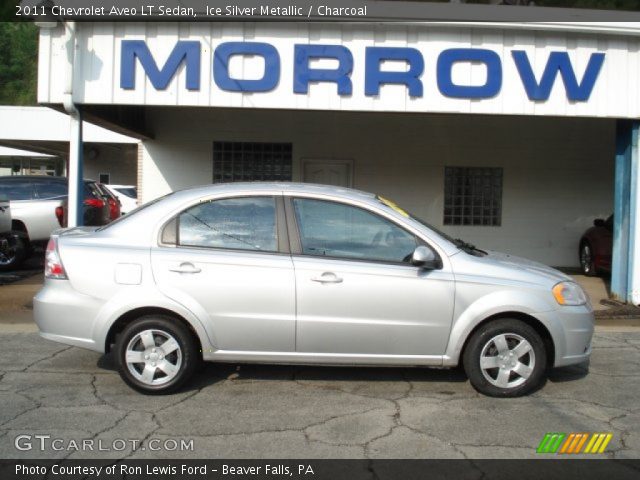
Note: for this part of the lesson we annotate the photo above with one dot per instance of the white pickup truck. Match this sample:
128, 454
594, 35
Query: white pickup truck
33, 200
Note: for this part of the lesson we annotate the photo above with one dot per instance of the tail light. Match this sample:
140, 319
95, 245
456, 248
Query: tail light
94, 202
114, 208
52, 264
60, 215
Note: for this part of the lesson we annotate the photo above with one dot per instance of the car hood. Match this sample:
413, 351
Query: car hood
528, 265
509, 267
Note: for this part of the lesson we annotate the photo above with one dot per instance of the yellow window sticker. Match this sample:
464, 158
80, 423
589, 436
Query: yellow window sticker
393, 205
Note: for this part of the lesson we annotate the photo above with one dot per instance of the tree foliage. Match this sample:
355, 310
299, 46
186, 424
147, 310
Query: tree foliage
18, 63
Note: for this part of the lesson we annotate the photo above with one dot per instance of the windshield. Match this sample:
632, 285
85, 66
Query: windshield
461, 244
127, 191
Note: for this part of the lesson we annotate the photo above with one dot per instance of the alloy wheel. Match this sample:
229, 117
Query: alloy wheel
507, 360
153, 357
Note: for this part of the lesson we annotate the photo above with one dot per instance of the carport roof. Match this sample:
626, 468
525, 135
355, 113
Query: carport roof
48, 125
47, 131
14, 152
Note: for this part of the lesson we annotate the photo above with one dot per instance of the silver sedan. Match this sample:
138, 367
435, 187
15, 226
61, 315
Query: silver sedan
297, 273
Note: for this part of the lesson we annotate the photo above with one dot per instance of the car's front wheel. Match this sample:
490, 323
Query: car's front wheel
156, 354
505, 358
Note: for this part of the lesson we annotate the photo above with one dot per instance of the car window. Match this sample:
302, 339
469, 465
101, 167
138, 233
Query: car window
127, 191
91, 190
338, 230
17, 189
49, 189
247, 223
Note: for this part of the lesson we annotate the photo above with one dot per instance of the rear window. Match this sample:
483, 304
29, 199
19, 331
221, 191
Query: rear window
17, 189
47, 190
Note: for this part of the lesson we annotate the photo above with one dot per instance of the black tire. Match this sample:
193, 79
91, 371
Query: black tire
587, 264
14, 248
160, 324
481, 344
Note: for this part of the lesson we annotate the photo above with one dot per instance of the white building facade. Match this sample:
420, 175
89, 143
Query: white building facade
514, 137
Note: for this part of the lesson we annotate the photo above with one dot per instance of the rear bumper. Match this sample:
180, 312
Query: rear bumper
572, 331
65, 316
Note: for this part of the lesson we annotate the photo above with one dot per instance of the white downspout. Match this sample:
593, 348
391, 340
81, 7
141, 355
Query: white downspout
76, 190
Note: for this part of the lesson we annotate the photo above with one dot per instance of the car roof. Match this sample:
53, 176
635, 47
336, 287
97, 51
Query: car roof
287, 187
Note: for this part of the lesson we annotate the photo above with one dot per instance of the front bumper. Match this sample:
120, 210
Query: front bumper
65, 316
572, 331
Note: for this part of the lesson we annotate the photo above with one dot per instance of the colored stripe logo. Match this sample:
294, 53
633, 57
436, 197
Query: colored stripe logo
572, 443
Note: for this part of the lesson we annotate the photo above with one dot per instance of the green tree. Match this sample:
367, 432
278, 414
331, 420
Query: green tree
18, 63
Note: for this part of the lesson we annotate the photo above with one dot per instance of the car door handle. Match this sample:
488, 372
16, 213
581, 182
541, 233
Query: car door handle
327, 277
185, 268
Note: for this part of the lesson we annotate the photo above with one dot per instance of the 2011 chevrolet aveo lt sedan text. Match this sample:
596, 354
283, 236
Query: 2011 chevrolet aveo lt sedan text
304, 274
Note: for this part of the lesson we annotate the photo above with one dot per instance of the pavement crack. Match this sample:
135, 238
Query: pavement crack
48, 357
100, 432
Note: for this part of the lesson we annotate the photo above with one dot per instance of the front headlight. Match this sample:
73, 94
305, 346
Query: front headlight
569, 293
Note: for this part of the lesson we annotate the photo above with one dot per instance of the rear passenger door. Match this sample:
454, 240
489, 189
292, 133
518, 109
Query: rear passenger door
227, 260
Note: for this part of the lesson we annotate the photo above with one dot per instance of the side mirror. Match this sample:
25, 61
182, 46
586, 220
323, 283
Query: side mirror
598, 222
426, 258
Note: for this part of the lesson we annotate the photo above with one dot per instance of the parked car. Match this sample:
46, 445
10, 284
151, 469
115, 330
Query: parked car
37, 207
127, 195
99, 207
299, 273
596, 247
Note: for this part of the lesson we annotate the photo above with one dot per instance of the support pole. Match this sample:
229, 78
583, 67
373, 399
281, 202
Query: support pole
75, 209
625, 278
75, 212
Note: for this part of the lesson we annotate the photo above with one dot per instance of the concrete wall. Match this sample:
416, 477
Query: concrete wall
118, 160
558, 173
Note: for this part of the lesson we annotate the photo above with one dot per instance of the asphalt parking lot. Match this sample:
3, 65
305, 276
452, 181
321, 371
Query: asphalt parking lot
245, 411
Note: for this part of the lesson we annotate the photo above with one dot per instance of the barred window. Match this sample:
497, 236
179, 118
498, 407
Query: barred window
251, 161
473, 196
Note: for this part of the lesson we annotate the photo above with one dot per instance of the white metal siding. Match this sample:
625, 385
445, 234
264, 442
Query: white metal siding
98, 68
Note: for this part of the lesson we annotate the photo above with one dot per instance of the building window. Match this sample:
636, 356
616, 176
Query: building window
251, 161
473, 196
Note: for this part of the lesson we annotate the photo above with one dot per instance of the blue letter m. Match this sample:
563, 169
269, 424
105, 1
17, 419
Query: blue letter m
159, 78
558, 62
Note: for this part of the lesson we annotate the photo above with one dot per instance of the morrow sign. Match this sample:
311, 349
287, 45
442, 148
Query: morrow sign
578, 85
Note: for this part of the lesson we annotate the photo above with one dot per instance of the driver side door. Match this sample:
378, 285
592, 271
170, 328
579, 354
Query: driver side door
356, 290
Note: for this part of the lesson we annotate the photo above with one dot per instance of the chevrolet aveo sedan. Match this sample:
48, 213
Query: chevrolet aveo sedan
304, 274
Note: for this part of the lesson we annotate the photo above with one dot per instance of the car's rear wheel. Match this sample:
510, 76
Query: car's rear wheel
505, 358
587, 263
13, 251
156, 354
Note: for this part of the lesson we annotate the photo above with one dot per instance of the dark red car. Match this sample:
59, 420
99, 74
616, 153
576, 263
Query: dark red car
596, 247
100, 206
